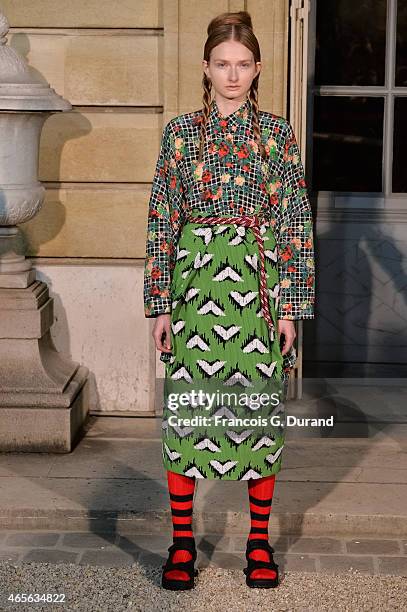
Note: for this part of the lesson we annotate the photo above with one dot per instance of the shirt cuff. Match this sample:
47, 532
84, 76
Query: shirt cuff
291, 312
156, 306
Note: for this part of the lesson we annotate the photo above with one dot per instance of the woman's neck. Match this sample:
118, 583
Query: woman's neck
228, 107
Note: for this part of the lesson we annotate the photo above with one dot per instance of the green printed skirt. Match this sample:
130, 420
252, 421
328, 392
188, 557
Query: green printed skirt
221, 347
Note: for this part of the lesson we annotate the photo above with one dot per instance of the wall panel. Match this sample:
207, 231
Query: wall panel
100, 146
103, 67
106, 222
79, 14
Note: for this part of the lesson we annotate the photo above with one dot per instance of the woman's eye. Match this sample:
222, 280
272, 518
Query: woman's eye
243, 65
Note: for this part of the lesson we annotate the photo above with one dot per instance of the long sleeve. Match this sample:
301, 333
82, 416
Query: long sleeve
295, 238
163, 226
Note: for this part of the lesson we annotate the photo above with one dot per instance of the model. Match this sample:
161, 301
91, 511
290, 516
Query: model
229, 267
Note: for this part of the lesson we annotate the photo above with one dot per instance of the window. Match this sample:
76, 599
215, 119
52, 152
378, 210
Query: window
358, 102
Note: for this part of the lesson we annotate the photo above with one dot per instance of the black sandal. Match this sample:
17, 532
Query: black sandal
185, 566
252, 564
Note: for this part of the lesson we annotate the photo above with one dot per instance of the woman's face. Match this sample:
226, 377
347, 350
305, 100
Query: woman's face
231, 69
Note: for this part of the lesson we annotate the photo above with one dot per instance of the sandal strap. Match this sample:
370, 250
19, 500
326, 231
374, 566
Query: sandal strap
256, 544
187, 566
254, 564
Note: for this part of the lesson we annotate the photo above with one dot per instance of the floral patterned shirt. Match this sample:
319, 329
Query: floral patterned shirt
230, 180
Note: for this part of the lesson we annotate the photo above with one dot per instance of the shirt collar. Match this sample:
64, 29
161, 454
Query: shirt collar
238, 118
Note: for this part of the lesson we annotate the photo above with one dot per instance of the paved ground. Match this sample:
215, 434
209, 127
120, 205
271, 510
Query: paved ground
311, 554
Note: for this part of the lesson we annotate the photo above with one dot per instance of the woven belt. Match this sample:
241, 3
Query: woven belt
254, 222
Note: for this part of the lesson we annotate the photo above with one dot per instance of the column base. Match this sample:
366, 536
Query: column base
43, 394
43, 427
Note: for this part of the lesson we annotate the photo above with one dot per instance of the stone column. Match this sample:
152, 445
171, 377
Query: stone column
43, 401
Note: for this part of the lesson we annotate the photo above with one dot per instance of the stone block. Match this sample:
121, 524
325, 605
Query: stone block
98, 69
49, 555
396, 566
65, 226
95, 146
373, 547
108, 558
32, 539
341, 563
77, 14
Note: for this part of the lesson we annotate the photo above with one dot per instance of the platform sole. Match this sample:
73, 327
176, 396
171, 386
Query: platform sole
178, 585
261, 584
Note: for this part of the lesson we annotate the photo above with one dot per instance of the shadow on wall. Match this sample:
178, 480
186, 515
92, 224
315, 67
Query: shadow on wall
361, 303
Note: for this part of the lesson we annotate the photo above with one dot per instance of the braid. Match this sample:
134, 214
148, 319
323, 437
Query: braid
255, 118
206, 100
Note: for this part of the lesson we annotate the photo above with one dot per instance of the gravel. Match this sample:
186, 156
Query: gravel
137, 587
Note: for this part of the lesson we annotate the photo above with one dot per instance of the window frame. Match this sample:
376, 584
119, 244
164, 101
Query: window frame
368, 201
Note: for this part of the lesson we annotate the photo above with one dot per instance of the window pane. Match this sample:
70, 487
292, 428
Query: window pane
401, 44
399, 146
347, 143
350, 42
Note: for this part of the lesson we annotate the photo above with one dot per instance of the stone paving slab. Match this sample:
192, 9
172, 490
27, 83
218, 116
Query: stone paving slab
375, 547
124, 459
305, 554
335, 563
111, 459
140, 428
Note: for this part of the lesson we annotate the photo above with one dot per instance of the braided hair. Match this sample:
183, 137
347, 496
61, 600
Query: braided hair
231, 26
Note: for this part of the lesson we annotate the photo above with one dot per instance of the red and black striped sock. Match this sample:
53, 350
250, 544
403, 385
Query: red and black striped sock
181, 489
260, 500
